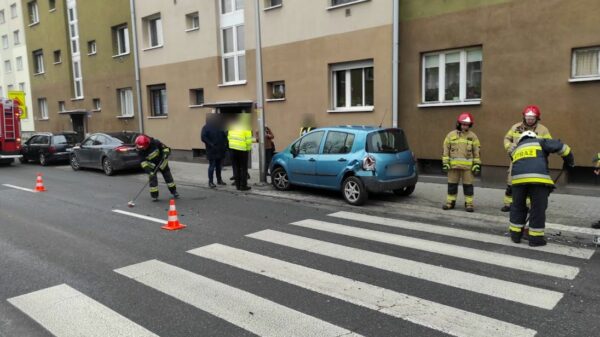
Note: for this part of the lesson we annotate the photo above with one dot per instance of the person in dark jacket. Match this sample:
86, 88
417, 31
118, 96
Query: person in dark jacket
214, 137
155, 156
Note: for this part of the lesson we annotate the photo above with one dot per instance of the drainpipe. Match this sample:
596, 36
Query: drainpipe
136, 61
260, 97
395, 61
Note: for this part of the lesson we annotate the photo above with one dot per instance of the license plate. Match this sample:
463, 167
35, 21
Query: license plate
397, 170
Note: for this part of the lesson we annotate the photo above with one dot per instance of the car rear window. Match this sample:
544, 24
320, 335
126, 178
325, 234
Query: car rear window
387, 141
65, 139
124, 138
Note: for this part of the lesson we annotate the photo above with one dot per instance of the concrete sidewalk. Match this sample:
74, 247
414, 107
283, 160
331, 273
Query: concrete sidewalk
571, 210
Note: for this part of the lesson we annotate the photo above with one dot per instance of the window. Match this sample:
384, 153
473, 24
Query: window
196, 96
158, 100
276, 90
153, 31
61, 106
338, 143
7, 66
43, 106
92, 47
11, 87
52, 5
32, 9
13, 11
98, 106
57, 57
452, 76
2, 18
586, 63
19, 62
77, 79
343, 2
16, 37
38, 62
120, 40
387, 141
192, 21
273, 3
125, 102
234, 54
22, 86
353, 85
228, 6
5, 43
308, 144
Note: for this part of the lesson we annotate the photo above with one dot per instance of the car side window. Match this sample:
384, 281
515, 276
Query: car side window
44, 140
310, 143
32, 140
100, 140
338, 143
88, 142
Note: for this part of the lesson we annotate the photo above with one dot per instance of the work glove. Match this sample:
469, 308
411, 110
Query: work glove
445, 168
476, 169
568, 161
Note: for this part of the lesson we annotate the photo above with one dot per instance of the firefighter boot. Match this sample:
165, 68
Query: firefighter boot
449, 205
516, 233
537, 241
505, 208
469, 207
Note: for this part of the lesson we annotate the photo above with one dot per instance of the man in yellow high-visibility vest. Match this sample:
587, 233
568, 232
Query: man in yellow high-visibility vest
239, 137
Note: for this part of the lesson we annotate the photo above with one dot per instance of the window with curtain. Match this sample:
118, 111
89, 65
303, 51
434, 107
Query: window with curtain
586, 63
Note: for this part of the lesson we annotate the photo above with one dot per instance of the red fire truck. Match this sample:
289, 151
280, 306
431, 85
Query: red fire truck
10, 131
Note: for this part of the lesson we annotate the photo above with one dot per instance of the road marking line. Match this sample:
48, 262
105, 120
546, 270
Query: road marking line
248, 311
510, 291
19, 188
483, 256
135, 215
66, 312
430, 314
580, 253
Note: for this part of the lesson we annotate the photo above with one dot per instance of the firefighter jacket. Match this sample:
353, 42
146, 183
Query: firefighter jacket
155, 154
240, 139
461, 150
597, 160
530, 160
511, 139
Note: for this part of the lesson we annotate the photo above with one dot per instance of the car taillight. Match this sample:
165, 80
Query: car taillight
51, 149
123, 149
368, 163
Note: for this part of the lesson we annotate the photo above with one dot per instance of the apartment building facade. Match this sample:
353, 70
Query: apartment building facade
14, 65
324, 63
82, 65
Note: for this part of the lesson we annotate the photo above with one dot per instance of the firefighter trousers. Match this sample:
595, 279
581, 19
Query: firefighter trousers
537, 215
455, 176
166, 173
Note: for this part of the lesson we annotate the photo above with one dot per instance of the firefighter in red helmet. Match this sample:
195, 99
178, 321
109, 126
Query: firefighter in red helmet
461, 161
154, 156
531, 117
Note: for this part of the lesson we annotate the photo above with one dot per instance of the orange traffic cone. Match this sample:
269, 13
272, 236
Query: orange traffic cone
173, 223
39, 184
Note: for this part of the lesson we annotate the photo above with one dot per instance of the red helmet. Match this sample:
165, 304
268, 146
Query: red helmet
465, 118
533, 111
142, 142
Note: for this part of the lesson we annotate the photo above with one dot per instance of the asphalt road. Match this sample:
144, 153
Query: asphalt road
71, 266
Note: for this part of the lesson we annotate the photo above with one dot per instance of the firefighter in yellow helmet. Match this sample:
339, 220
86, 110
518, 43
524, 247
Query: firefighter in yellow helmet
461, 161
531, 118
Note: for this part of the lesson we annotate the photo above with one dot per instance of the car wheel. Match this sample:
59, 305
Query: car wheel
74, 163
354, 191
43, 160
23, 160
107, 167
405, 191
280, 180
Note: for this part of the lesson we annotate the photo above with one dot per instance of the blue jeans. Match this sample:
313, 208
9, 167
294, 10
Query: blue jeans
214, 165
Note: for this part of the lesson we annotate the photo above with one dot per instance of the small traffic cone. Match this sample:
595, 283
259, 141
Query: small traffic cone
173, 223
39, 184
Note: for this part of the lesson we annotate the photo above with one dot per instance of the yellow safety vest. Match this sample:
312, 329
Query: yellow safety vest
240, 140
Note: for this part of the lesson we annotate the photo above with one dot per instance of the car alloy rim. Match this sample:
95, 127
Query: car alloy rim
42, 159
352, 192
74, 162
107, 167
281, 180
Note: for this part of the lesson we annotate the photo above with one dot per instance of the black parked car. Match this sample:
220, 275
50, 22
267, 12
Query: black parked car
47, 147
109, 152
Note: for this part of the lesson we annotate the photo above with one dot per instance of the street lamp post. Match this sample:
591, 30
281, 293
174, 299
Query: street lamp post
260, 97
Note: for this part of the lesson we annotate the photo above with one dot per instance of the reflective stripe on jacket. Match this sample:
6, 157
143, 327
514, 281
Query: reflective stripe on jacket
530, 160
461, 150
511, 139
239, 139
156, 153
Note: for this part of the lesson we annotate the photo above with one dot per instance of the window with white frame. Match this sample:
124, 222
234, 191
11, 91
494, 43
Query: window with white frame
61, 106
352, 85
125, 102
452, 76
13, 11
75, 50
229, 6
7, 66
234, 54
92, 47
38, 62
98, 106
77, 79
57, 57
2, 17
43, 106
586, 63
120, 40
276, 90
153, 34
273, 3
52, 5
19, 63
11, 87
196, 96
22, 86
158, 100
343, 2
192, 21
16, 37
32, 9
5, 43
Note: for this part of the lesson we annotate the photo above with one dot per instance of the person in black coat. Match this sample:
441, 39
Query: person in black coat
215, 138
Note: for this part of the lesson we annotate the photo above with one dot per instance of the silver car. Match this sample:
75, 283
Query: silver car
109, 152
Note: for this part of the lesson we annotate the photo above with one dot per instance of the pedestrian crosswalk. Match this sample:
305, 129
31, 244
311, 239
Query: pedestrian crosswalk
65, 311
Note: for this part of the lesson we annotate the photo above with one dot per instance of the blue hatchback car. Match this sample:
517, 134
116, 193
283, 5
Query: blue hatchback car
353, 159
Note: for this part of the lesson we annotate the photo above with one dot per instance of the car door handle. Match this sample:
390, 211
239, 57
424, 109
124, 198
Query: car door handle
342, 160
312, 159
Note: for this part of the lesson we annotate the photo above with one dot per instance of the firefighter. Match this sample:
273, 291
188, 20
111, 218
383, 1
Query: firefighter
239, 137
531, 177
531, 122
597, 172
461, 161
155, 158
